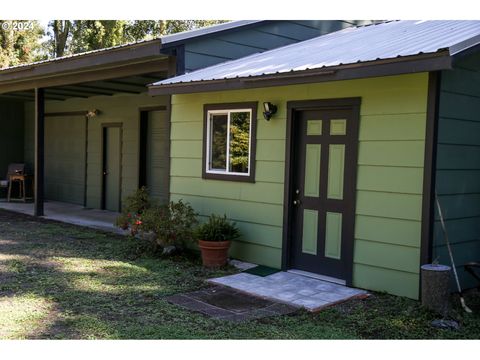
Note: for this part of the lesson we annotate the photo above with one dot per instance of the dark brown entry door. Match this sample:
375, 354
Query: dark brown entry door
325, 165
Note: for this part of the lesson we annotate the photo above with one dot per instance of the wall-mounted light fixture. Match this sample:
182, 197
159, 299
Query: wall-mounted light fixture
92, 113
269, 110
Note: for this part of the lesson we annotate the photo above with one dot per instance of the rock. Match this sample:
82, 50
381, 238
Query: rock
168, 250
445, 324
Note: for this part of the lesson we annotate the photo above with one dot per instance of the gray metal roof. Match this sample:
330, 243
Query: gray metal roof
388, 40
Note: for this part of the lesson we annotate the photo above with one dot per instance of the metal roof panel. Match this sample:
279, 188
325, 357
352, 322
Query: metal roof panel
387, 40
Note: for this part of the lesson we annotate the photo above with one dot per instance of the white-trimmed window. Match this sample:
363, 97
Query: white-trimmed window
229, 141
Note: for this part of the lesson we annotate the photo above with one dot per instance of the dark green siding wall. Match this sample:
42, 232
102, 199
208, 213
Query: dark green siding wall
65, 151
11, 134
157, 161
458, 166
233, 45
123, 109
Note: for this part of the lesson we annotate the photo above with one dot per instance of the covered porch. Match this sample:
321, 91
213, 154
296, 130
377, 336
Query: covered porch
68, 213
80, 124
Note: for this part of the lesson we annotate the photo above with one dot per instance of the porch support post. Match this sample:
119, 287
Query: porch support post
39, 150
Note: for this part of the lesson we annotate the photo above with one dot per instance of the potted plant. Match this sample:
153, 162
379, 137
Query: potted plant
214, 239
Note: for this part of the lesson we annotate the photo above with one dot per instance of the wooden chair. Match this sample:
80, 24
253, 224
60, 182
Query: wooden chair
15, 173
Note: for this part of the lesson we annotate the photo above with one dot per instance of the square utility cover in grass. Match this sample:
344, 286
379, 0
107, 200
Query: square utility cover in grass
227, 304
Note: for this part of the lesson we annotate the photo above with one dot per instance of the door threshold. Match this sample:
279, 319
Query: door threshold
318, 276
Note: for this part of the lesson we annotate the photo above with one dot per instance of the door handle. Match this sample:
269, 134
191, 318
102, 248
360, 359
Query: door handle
105, 173
296, 202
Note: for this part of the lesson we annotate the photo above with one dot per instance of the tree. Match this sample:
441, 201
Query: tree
66, 37
97, 34
75, 36
20, 42
61, 32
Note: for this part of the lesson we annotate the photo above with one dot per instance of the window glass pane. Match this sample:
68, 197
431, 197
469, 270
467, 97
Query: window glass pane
218, 141
239, 141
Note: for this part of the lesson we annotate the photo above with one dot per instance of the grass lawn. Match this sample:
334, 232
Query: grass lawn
62, 281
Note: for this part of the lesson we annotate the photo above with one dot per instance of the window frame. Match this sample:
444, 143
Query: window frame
229, 107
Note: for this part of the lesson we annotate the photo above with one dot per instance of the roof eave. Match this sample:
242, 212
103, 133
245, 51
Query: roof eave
397, 66
125, 61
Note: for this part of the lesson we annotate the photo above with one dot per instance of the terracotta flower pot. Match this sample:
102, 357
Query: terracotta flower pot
214, 253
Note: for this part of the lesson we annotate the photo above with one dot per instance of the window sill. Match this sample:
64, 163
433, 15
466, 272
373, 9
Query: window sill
225, 177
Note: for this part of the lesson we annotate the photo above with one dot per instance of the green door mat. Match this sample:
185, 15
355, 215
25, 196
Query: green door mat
261, 270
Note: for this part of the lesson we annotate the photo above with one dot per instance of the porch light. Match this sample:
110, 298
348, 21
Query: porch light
269, 110
93, 113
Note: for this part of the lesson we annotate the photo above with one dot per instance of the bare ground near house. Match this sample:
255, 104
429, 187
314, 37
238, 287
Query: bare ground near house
62, 281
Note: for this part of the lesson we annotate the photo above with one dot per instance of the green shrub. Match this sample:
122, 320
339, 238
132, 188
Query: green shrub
170, 224
217, 228
133, 208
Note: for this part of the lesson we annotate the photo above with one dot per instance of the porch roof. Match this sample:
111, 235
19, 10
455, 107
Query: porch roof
125, 68
386, 48
90, 73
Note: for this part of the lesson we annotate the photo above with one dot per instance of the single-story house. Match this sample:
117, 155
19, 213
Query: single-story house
364, 123
328, 152
85, 125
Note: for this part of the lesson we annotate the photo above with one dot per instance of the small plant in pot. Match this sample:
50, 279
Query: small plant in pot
214, 239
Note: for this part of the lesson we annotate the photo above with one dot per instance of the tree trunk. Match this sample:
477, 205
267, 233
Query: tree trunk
61, 30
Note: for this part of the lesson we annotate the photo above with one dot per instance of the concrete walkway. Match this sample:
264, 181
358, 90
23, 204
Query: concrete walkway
69, 213
292, 289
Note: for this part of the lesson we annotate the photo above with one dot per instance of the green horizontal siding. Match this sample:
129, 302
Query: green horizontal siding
458, 167
255, 212
392, 153
395, 282
388, 230
390, 174
257, 254
405, 180
389, 205
390, 256
65, 153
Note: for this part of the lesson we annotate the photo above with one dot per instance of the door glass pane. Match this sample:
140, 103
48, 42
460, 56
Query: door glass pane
310, 230
312, 170
338, 127
333, 235
239, 141
314, 127
336, 160
218, 141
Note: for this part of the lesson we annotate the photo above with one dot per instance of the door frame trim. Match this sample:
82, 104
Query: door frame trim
142, 140
320, 104
103, 197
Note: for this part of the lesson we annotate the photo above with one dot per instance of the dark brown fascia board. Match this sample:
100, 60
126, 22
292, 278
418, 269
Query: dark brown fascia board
404, 65
76, 62
84, 75
430, 167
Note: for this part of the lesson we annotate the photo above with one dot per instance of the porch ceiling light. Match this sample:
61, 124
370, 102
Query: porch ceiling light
269, 110
93, 113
